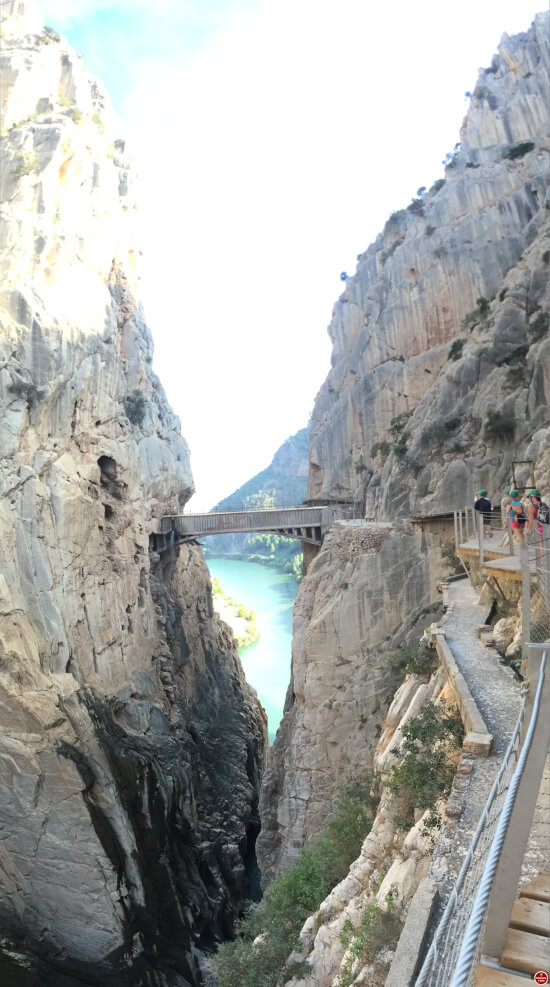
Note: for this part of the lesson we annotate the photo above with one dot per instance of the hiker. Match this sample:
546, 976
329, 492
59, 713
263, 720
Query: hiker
503, 505
517, 517
483, 505
536, 512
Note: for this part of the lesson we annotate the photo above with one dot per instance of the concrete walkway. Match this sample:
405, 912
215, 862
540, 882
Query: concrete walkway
496, 691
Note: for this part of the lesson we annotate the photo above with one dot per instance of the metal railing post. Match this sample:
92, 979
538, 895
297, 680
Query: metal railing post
511, 545
505, 883
525, 597
455, 520
460, 526
480, 536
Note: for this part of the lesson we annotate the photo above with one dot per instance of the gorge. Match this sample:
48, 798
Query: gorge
137, 791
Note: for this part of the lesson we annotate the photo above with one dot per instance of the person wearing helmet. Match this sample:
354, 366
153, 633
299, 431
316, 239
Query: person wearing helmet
484, 506
535, 503
517, 517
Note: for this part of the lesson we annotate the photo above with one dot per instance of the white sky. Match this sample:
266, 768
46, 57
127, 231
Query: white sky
269, 156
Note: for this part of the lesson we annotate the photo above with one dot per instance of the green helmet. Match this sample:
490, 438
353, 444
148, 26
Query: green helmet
514, 493
482, 493
533, 493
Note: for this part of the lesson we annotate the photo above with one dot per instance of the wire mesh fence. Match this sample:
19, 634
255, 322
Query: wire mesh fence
537, 586
441, 958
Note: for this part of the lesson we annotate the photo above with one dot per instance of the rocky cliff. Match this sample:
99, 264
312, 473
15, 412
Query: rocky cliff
440, 379
445, 322
131, 748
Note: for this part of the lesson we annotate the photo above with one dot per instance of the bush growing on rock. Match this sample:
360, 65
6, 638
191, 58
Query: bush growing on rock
437, 433
379, 929
499, 426
424, 770
266, 936
518, 150
538, 328
27, 390
135, 406
26, 164
455, 351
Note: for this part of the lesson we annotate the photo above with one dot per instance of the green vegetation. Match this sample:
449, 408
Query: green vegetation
98, 122
416, 207
414, 659
251, 632
379, 929
386, 254
48, 36
518, 150
395, 220
294, 895
26, 164
65, 102
450, 557
398, 423
517, 376
27, 390
399, 449
135, 406
455, 351
429, 230
478, 313
423, 771
381, 448
437, 433
499, 426
538, 327
75, 114
437, 186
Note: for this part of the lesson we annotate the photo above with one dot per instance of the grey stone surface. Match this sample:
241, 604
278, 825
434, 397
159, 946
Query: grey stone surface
411, 941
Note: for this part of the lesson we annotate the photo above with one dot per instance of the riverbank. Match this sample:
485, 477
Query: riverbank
266, 662
241, 621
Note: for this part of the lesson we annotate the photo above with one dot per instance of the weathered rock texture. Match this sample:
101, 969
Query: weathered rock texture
131, 748
480, 240
484, 234
349, 612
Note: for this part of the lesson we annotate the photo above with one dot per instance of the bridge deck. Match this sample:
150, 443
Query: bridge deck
306, 523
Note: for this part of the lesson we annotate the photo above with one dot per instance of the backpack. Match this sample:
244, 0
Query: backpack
517, 512
543, 513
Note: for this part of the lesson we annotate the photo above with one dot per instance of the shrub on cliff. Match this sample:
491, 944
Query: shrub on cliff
499, 426
423, 771
267, 936
135, 406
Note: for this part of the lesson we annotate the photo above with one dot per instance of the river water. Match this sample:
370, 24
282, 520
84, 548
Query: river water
271, 594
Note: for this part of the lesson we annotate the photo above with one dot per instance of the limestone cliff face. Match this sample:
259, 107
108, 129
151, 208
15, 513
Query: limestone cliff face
131, 748
350, 611
481, 234
399, 425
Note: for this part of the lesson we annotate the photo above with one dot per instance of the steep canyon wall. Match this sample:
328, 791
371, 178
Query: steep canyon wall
131, 748
442, 330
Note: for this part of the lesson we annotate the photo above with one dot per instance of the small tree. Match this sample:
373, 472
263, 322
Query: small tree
135, 406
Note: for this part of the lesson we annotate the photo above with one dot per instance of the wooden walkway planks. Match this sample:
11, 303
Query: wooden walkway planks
531, 916
487, 977
539, 888
527, 944
525, 951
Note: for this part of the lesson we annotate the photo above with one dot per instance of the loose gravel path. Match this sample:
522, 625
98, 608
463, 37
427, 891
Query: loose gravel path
497, 694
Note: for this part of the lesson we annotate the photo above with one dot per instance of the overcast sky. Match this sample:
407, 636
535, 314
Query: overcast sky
272, 139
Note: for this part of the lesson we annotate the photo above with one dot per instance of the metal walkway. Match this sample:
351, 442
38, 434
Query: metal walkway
309, 524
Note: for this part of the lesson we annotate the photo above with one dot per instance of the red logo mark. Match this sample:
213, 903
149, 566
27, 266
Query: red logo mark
541, 977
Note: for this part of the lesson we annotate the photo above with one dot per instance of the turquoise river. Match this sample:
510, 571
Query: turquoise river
266, 662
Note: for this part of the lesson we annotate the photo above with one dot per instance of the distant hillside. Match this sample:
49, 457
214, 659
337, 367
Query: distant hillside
282, 483
285, 480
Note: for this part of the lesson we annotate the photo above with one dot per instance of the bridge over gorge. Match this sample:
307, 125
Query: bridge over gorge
309, 524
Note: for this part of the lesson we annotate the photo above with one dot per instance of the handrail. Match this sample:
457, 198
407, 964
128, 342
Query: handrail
471, 940
432, 954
